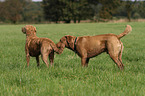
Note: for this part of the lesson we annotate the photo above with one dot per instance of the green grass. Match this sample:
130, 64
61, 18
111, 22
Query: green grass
67, 77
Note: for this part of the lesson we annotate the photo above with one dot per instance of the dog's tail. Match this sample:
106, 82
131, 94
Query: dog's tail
57, 50
126, 31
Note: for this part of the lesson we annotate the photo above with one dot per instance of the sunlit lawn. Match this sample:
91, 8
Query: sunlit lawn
67, 77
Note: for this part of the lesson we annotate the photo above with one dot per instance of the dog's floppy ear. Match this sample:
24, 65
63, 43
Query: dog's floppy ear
35, 29
24, 30
69, 40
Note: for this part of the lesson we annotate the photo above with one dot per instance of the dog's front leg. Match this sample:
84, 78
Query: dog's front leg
27, 54
28, 59
51, 58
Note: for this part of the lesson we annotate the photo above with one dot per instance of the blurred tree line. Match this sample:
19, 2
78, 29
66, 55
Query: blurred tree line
69, 10
13, 11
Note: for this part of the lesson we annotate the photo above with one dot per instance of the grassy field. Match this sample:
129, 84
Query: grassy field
67, 77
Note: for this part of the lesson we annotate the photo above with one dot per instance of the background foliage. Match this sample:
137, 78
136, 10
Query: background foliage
13, 11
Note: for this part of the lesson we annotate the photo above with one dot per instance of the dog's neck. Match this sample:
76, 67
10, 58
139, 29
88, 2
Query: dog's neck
74, 45
30, 34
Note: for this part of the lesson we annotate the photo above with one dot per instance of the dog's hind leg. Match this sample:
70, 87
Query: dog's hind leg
44, 58
114, 50
120, 54
51, 57
84, 62
37, 59
44, 55
117, 61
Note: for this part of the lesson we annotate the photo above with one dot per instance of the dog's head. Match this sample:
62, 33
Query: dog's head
29, 30
66, 41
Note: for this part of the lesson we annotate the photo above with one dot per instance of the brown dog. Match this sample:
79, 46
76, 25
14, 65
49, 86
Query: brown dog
36, 46
90, 46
